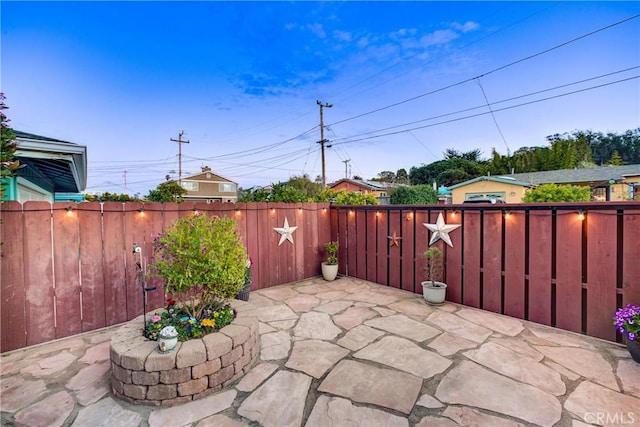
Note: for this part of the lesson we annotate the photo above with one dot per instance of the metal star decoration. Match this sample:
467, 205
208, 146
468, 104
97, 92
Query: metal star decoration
441, 230
394, 240
286, 232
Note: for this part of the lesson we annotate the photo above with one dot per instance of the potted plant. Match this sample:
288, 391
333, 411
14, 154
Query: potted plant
244, 293
203, 263
330, 266
434, 292
627, 321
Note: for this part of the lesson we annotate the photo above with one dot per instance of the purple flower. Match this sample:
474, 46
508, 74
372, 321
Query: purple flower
627, 321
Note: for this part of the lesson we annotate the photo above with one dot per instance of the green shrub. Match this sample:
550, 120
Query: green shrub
414, 195
202, 261
557, 193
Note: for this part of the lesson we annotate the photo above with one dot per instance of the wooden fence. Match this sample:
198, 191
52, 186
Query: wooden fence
564, 265
65, 271
69, 268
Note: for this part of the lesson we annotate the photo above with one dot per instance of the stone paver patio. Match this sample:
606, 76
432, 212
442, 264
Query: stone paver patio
352, 353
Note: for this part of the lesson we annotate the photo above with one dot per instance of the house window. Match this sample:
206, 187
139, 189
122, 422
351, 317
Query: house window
599, 194
190, 185
227, 187
483, 196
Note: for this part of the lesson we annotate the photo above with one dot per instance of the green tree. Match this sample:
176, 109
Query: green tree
253, 194
413, 195
385, 176
457, 169
8, 147
282, 192
343, 197
557, 193
305, 186
111, 197
402, 177
168, 191
616, 159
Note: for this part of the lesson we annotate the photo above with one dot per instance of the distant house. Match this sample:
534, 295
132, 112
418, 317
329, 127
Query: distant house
210, 187
381, 190
607, 183
54, 170
502, 188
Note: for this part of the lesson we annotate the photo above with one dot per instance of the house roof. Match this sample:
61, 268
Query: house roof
500, 179
569, 176
59, 166
370, 185
203, 177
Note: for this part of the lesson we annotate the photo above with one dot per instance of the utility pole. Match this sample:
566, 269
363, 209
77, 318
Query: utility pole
346, 162
180, 141
322, 140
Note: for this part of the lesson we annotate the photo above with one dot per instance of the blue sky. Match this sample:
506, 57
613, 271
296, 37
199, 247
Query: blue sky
241, 79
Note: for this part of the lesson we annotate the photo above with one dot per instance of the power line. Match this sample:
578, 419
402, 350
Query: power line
180, 141
493, 116
495, 103
488, 72
486, 112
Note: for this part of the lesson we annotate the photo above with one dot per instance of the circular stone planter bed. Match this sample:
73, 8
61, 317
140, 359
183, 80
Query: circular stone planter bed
195, 368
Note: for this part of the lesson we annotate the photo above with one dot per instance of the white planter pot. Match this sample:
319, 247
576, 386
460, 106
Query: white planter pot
434, 292
329, 272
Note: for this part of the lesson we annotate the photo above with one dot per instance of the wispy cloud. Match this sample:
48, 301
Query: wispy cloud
438, 37
466, 27
342, 36
317, 30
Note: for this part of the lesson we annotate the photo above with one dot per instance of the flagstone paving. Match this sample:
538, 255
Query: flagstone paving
349, 353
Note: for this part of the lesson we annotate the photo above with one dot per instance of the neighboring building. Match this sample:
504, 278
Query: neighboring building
607, 183
381, 190
210, 187
53, 171
502, 188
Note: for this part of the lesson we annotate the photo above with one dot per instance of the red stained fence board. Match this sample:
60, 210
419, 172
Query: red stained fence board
631, 258
66, 240
514, 261
12, 293
492, 261
568, 260
38, 277
601, 278
407, 247
540, 243
372, 247
471, 257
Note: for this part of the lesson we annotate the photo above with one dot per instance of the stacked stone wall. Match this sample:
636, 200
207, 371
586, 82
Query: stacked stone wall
195, 368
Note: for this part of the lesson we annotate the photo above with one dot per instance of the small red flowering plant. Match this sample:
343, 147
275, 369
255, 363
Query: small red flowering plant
627, 321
